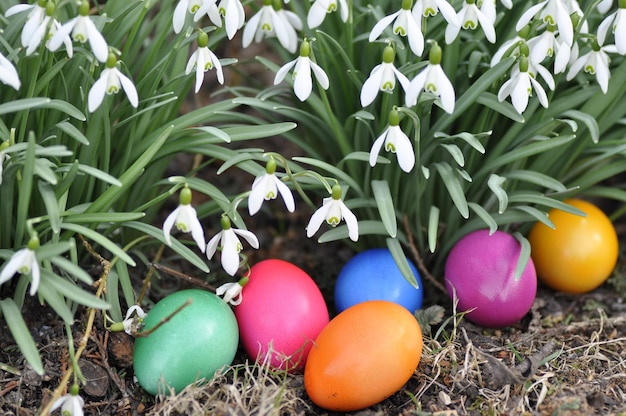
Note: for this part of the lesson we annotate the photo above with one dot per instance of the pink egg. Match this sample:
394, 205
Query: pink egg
281, 314
481, 270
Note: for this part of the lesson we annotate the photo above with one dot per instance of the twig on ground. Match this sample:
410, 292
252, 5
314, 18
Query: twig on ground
418, 258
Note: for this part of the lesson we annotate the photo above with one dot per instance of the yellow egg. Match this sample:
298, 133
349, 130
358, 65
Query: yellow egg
364, 355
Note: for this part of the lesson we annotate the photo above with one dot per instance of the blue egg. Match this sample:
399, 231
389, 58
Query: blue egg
374, 275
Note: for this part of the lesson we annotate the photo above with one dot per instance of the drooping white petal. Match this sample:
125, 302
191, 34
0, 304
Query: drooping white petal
446, 90
98, 45
602, 73
303, 84
251, 28
487, 25
230, 253
59, 36
541, 94
416, 87
248, 236
382, 25
219, 72
168, 224
8, 73
320, 75
211, 247
316, 15
285, 192
378, 144
351, 221
318, 218
180, 13
284, 70
96, 93
129, 88
258, 193
528, 15
371, 86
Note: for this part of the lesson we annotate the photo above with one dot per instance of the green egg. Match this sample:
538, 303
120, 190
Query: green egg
195, 343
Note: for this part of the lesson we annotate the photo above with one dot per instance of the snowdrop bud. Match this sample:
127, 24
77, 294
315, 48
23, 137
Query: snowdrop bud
394, 118
270, 166
621, 4
243, 281
185, 196
524, 50
336, 192
83, 8
523, 63
4, 145
43, 3
389, 54
203, 39
50, 8
74, 390
225, 222
33, 243
524, 32
111, 60
305, 48
277, 4
407, 4
576, 18
434, 57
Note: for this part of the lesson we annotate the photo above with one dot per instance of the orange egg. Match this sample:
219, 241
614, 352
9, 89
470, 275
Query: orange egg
580, 254
364, 355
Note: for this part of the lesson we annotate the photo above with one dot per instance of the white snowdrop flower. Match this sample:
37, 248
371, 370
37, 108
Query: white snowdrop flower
319, 9
302, 79
469, 18
426, 8
488, 7
333, 210
604, 6
110, 82
48, 27
234, 16
203, 60
82, 29
24, 261
616, 22
594, 62
186, 220
434, 80
71, 404
228, 241
266, 187
507, 3
383, 78
553, 12
130, 322
520, 87
267, 22
394, 141
547, 44
8, 73
404, 24
209, 8
232, 291
33, 20
196, 7
512, 46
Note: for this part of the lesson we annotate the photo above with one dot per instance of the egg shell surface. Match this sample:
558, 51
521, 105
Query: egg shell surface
364, 355
282, 311
374, 275
195, 343
481, 270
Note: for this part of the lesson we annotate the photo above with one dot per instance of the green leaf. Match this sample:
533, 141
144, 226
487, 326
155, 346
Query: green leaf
334, 171
53, 249
367, 227
384, 201
400, 258
73, 132
524, 255
71, 268
455, 152
100, 239
241, 157
485, 216
51, 204
73, 292
495, 184
536, 213
503, 107
588, 120
539, 199
21, 334
220, 134
99, 174
364, 157
455, 190
433, 228
177, 246
22, 104
206, 188
101, 217
537, 178
55, 300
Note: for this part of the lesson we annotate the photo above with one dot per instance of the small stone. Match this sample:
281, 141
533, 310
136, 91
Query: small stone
96, 377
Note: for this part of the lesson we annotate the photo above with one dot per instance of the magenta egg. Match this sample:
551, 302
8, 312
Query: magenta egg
480, 272
281, 313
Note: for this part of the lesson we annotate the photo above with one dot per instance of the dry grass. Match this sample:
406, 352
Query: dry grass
574, 369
